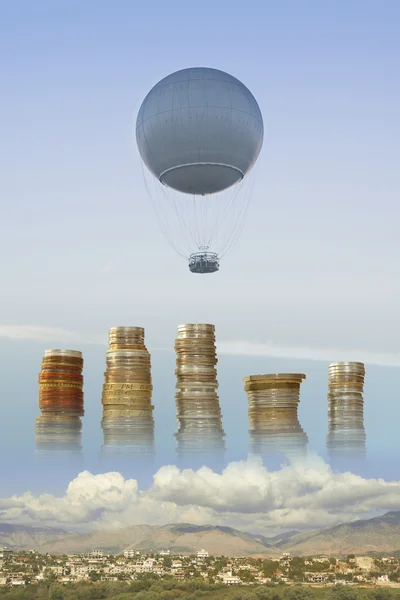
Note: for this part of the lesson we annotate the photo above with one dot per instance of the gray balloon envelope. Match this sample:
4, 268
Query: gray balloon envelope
199, 131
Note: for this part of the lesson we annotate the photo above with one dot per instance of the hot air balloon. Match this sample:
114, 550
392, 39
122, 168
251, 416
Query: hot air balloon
199, 132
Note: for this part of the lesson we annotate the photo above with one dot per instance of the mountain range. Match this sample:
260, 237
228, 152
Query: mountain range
376, 535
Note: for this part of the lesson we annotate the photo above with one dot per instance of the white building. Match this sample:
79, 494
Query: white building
57, 570
165, 552
17, 579
321, 559
383, 579
365, 563
246, 568
116, 570
158, 570
202, 554
230, 579
316, 577
129, 553
97, 561
81, 571
144, 566
96, 554
5, 552
176, 564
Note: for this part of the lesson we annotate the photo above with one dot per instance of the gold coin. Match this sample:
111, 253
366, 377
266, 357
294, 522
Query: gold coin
357, 384
127, 401
127, 386
130, 406
144, 402
275, 376
127, 393
123, 413
138, 394
139, 412
60, 384
290, 385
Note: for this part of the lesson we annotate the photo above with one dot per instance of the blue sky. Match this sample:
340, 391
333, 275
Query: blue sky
317, 263
315, 274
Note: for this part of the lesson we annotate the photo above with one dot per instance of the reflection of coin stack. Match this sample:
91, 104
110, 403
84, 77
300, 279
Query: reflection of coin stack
274, 425
346, 434
60, 432
198, 411
127, 422
60, 401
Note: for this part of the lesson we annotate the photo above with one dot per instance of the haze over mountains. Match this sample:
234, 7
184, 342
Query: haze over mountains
380, 534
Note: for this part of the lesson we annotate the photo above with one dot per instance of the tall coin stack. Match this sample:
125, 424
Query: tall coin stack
346, 434
197, 402
60, 401
127, 423
274, 426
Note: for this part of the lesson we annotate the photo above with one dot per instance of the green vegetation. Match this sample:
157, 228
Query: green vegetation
150, 588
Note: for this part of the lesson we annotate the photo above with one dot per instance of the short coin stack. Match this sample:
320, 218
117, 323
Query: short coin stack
197, 402
274, 426
61, 383
346, 432
127, 392
60, 400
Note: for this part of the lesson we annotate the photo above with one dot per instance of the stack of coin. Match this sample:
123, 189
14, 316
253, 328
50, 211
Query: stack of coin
274, 426
61, 383
346, 434
197, 402
60, 401
127, 392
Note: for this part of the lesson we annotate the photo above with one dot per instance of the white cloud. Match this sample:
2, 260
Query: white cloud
43, 334
246, 495
235, 348
269, 349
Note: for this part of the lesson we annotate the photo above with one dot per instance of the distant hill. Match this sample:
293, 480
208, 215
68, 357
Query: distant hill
25, 538
180, 539
377, 535
380, 534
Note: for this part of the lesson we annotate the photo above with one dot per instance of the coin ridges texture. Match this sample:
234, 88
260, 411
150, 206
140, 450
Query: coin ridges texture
346, 434
60, 401
127, 422
273, 399
197, 402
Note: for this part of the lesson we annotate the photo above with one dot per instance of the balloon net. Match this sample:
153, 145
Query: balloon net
192, 223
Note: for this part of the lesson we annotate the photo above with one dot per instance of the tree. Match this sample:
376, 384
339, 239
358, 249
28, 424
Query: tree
246, 576
382, 594
269, 568
167, 562
56, 592
342, 592
49, 576
299, 593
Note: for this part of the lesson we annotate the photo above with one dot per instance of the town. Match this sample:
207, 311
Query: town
31, 568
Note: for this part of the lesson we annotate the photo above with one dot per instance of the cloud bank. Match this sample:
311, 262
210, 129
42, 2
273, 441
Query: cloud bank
269, 349
39, 333
234, 348
246, 495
